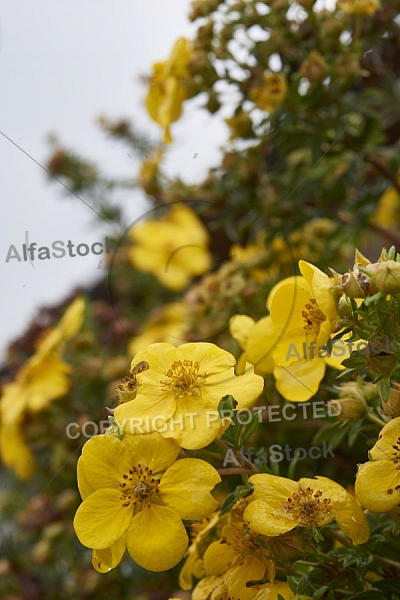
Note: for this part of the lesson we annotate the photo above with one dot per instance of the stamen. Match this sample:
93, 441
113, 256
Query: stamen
308, 509
313, 317
184, 379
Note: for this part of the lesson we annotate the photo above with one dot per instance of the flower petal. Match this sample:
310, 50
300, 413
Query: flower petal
218, 557
101, 519
378, 485
300, 380
152, 450
157, 539
236, 577
185, 487
103, 462
108, 558
266, 519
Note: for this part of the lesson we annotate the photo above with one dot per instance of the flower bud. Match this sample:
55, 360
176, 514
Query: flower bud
345, 310
357, 285
351, 408
386, 276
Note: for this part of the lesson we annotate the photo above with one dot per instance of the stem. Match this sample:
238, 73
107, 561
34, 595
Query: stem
240, 457
387, 561
341, 538
375, 419
233, 471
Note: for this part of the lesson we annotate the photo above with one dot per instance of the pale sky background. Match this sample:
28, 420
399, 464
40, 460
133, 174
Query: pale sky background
62, 65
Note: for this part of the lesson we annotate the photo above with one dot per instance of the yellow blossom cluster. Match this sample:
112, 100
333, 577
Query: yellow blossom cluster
174, 247
43, 378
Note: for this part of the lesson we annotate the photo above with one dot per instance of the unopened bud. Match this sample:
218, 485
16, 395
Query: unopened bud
386, 276
345, 309
351, 408
357, 285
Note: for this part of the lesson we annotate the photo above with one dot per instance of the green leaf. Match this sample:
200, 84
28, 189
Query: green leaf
250, 429
317, 535
384, 388
240, 492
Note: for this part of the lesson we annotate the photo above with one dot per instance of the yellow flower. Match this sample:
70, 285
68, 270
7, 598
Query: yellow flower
43, 378
280, 504
173, 249
258, 340
359, 7
165, 324
15, 452
135, 495
271, 94
168, 87
304, 311
240, 559
179, 393
193, 566
378, 481
387, 214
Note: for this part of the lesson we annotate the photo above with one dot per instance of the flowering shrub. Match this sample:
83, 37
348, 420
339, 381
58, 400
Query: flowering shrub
238, 376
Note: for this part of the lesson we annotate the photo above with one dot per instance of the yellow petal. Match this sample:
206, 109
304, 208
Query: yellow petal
210, 588
157, 539
218, 557
185, 487
103, 462
267, 519
240, 327
388, 438
261, 343
272, 488
244, 388
288, 303
236, 577
85, 488
300, 381
271, 591
294, 280
152, 450
109, 558
378, 485
101, 519
193, 426
14, 451
148, 412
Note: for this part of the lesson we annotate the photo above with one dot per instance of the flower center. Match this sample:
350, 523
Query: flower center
184, 379
138, 486
308, 509
313, 317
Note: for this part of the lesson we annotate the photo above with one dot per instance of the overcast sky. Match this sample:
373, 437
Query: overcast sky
62, 65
